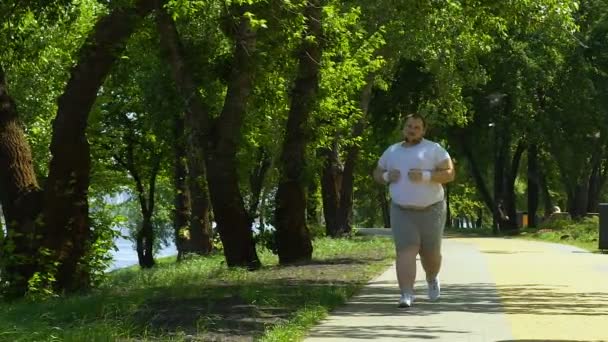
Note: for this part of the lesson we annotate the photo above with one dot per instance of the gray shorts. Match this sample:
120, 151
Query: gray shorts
418, 227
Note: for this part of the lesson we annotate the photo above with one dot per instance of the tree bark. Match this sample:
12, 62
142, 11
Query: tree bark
64, 226
20, 195
293, 238
548, 203
182, 204
345, 210
578, 195
200, 224
145, 236
256, 180
219, 137
509, 186
331, 183
533, 184
597, 179
594, 189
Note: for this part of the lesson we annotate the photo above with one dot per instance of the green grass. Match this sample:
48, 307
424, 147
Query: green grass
583, 234
203, 299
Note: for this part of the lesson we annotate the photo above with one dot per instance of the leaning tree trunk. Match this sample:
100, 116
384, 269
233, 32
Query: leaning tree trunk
220, 141
20, 196
533, 184
293, 238
345, 210
64, 231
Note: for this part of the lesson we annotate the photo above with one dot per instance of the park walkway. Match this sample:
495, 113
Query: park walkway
492, 290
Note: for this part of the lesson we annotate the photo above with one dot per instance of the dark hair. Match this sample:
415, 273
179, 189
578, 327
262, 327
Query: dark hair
416, 116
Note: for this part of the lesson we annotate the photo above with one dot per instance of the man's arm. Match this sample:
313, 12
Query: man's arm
392, 175
444, 172
378, 172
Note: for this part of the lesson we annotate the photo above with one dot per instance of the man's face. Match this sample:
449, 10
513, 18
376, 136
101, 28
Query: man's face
413, 130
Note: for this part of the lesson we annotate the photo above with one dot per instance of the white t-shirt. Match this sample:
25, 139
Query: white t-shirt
426, 155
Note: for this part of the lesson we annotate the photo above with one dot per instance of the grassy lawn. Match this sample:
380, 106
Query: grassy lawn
583, 234
203, 300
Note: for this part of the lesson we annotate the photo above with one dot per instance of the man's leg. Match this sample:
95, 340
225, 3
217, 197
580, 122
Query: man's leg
430, 247
407, 246
431, 262
406, 268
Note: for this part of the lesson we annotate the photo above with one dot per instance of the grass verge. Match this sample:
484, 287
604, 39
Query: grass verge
203, 300
583, 234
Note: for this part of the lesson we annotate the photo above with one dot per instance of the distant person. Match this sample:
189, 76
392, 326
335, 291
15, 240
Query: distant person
415, 170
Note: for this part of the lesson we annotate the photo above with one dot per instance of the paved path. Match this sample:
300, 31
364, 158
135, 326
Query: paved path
492, 290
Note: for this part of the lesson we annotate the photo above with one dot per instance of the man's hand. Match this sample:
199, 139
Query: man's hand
393, 175
418, 175
415, 175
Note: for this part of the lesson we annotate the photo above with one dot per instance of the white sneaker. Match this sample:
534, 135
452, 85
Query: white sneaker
434, 290
406, 300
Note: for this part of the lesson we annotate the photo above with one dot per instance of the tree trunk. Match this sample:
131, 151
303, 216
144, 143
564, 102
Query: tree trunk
234, 224
345, 210
145, 242
509, 187
597, 179
66, 211
256, 180
200, 241
182, 204
331, 182
293, 238
548, 203
533, 184
145, 234
578, 195
20, 196
594, 190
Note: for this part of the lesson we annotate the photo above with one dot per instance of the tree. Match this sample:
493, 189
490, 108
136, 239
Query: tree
293, 237
64, 221
220, 134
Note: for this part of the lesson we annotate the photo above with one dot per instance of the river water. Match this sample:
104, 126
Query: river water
127, 256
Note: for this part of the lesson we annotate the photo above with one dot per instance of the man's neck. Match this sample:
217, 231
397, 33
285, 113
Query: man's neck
408, 142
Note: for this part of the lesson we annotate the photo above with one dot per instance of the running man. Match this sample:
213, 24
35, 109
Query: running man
416, 170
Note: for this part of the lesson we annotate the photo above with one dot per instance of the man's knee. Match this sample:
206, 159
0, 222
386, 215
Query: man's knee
430, 253
408, 250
